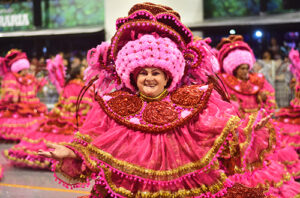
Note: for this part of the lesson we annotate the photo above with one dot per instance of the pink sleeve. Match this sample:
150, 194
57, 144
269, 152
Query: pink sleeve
255, 145
72, 167
97, 122
270, 103
10, 88
41, 83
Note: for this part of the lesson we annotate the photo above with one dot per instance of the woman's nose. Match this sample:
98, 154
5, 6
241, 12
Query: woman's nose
149, 77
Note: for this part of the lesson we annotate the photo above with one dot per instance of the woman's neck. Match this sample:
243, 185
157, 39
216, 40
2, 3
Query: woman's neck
161, 96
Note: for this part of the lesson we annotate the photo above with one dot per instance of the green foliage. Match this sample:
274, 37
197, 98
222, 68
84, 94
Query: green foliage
71, 13
239, 8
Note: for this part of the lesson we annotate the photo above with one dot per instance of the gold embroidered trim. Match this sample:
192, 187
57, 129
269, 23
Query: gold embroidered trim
261, 156
294, 144
27, 93
71, 99
20, 125
286, 177
292, 134
269, 93
10, 90
214, 188
157, 98
35, 163
129, 168
250, 110
247, 131
155, 128
9, 81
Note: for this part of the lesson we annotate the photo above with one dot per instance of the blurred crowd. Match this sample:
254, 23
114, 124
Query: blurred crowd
274, 65
49, 94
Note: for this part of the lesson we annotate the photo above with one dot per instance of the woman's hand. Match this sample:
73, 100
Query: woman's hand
263, 122
59, 152
15, 99
263, 96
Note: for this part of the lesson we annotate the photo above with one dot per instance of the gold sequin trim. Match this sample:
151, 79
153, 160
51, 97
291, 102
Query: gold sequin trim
129, 168
214, 188
20, 125
261, 156
36, 163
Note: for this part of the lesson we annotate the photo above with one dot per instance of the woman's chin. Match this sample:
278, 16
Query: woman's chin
150, 92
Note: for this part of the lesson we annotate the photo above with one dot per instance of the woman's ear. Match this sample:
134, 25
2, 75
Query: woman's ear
167, 80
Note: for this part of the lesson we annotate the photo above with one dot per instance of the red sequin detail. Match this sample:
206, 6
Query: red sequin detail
240, 191
187, 96
246, 87
118, 93
160, 113
125, 105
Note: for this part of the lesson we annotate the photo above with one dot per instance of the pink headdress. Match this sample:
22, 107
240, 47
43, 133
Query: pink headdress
202, 61
3, 67
151, 36
57, 72
233, 52
152, 52
14, 61
295, 63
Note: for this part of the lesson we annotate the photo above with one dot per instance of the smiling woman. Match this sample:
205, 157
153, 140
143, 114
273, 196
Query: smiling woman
165, 131
151, 82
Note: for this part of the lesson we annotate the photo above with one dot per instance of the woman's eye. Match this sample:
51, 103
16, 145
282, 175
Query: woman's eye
155, 74
143, 73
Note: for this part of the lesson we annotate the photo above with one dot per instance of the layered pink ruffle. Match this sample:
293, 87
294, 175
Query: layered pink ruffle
16, 119
160, 152
15, 128
289, 157
163, 151
273, 175
57, 127
290, 134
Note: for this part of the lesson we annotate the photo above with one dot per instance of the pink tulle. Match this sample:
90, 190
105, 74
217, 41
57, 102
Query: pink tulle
57, 72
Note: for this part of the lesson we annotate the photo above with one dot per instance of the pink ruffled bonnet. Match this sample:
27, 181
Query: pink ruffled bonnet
233, 52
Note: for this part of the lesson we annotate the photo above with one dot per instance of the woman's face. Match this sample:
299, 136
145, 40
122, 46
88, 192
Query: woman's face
266, 55
242, 72
151, 81
23, 72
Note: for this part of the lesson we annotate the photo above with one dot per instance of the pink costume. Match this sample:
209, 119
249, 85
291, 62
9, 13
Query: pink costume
1, 172
233, 52
289, 118
20, 109
59, 125
172, 145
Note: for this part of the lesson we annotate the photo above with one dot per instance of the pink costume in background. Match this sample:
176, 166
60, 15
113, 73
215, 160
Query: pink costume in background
59, 124
289, 118
270, 170
17, 117
168, 146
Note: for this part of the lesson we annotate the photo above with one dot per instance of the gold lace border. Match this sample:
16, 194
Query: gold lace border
129, 168
297, 133
35, 163
214, 188
262, 154
71, 99
247, 131
20, 125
